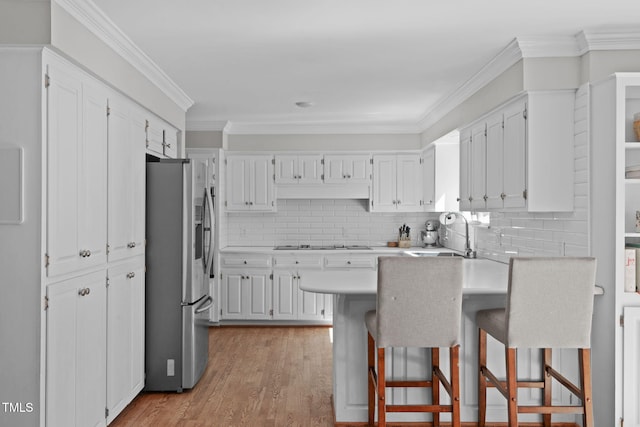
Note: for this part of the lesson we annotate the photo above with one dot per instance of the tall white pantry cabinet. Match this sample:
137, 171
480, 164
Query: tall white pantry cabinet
72, 180
615, 198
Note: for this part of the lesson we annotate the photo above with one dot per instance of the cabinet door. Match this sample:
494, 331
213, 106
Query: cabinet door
285, 294
310, 169
358, 168
327, 311
237, 183
334, 169
465, 171
261, 185
231, 303
494, 162
76, 172
259, 291
287, 169
515, 131
408, 183
310, 305
384, 183
429, 180
631, 353
478, 166
170, 142
154, 137
76, 352
125, 335
126, 184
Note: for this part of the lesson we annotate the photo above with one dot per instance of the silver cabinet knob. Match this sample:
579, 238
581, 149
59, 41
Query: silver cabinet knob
131, 275
84, 292
131, 245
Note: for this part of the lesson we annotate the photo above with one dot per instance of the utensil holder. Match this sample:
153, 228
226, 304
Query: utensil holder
404, 243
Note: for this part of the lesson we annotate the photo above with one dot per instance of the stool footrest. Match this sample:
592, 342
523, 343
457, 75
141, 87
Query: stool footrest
408, 383
419, 408
565, 382
550, 410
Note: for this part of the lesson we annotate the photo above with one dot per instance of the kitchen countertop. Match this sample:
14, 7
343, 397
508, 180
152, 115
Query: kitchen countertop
375, 250
481, 277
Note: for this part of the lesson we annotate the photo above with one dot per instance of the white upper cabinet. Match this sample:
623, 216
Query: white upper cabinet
302, 169
440, 176
126, 213
465, 171
397, 183
520, 156
161, 138
478, 147
250, 183
352, 168
76, 171
495, 162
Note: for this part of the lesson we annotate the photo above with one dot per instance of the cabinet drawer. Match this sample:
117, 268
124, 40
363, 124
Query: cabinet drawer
297, 261
245, 260
350, 261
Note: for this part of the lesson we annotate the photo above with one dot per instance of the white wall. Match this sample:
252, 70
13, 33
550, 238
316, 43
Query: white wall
328, 142
25, 22
21, 257
203, 139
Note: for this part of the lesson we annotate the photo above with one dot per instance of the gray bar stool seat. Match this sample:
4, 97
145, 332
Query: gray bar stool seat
419, 304
549, 305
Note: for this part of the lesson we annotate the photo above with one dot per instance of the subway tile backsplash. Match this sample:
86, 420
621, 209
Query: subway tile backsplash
321, 222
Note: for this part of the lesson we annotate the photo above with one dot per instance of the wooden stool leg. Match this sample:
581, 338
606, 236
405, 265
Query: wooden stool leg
512, 386
546, 361
454, 362
584, 355
382, 420
482, 383
371, 392
435, 384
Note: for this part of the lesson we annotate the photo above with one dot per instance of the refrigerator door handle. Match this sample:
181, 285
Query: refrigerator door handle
204, 306
209, 257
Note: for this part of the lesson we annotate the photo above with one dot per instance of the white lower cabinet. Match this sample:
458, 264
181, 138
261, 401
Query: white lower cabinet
125, 335
285, 294
631, 371
76, 373
246, 294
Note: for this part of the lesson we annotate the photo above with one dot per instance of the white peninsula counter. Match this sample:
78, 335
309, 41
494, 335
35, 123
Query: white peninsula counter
485, 286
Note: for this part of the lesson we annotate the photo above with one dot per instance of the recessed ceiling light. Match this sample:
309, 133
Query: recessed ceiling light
304, 104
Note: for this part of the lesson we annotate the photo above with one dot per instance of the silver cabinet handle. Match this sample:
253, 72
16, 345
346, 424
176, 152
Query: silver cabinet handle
503, 196
131, 275
349, 262
84, 291
168, 145
85, 253
250, 203
246, 203
131, 245
398, 201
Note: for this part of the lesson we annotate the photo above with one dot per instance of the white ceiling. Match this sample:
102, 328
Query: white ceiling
358, 61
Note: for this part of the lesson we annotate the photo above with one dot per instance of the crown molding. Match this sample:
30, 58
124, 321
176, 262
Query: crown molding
548, 47
206, 125
507, 57
621, 39
96, 21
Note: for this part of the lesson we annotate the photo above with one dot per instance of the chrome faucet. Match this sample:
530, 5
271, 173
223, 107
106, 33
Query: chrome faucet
448, 216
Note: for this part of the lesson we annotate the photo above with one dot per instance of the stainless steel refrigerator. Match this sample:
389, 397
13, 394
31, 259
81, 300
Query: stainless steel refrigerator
179, 251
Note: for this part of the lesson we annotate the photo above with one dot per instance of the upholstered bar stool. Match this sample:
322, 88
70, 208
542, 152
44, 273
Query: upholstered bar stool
419, 304
549, 305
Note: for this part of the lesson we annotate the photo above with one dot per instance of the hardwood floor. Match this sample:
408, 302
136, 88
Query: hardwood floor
256, 376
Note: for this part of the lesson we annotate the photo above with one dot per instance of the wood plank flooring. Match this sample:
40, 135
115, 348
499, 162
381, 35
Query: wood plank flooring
256, 376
